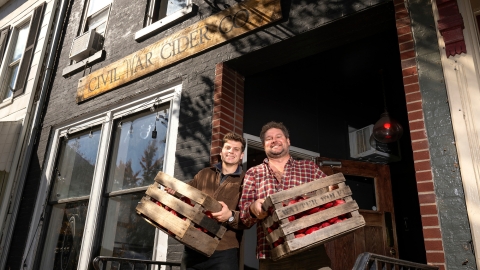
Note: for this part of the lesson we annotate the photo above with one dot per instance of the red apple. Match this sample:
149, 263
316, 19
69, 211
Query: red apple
174, 212
338, 221
311, 230
338, 202
299, 198
208, 214
187, 201
158, 203
313, 210
291, 218
332, 220
291, 202
325, 224
328, 205
300, 235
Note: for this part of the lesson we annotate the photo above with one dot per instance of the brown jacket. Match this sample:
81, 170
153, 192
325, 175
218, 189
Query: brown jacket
229, 191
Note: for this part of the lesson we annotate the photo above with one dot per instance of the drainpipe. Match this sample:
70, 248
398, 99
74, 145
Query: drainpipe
35, 125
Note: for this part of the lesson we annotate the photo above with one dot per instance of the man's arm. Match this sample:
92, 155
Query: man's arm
249, 196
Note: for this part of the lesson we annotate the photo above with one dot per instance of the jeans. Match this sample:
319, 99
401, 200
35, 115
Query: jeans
220, 260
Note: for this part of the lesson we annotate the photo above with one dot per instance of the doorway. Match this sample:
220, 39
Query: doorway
321, 97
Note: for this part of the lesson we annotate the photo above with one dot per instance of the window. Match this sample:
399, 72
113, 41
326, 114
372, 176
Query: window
99, 171
19, 54
160, 9
13, 60
164, 13
97, 16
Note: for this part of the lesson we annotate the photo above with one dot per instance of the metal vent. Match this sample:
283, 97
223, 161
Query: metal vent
295, 152
85, 45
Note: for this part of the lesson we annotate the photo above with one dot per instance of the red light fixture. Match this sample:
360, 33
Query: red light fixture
387, 129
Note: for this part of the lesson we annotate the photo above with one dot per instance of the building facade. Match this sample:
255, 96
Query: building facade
154, 86
27, 28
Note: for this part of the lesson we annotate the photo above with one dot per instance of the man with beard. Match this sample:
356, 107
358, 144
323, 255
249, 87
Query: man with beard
223, 182
279, 171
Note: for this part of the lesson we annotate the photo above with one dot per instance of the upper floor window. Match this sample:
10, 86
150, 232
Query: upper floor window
160, 9
97, 16
13, 61
161, 14
19, 53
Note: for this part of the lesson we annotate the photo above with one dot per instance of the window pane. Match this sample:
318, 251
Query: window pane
21, 42
98, 21
13, 72
96, 5
137, 157
64, 236
75, 166
175, 5
363, 190
126, 234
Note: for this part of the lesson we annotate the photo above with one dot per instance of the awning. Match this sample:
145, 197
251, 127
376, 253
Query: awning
9, 133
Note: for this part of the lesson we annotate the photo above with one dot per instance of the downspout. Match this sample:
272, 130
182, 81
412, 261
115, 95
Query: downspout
35, 125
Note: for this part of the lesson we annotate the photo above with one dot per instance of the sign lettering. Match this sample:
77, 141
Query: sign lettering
214, 30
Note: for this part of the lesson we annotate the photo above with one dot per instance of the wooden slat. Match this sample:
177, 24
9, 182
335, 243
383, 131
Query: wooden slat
307, 187
193, 213
318, 217
186, 190
322, 235
199, 241
309, 203
158, 214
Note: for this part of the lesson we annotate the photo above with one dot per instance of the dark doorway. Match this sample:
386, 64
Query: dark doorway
321, 96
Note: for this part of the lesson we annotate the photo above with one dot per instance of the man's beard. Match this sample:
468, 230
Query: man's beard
282, 153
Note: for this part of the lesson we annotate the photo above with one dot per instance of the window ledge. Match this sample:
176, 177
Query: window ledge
95, 58
6, 102
162, 24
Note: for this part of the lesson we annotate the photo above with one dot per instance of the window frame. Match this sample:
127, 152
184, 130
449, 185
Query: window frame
106, 119
5, 66
85, 17
151, 28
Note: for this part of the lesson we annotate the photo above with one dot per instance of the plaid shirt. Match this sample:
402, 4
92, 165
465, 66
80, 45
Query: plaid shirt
260, 182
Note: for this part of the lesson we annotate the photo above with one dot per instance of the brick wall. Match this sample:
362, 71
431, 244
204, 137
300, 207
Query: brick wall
420, 146
228, 107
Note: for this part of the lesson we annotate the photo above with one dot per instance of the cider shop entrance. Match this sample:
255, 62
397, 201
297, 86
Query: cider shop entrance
323, 86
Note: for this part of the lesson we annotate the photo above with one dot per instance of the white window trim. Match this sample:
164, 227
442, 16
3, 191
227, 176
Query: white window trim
8, 54
106, 119
166, 22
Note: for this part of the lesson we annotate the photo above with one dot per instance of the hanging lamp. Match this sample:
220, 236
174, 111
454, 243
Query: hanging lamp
386, 129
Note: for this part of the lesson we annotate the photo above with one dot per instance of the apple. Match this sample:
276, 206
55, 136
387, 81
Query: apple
278, 242
291, 202
328, 205
311, 230
291, 218
313, 210
158, 203
299, 198
332, 220
338, 221
300, 235
174, 212
324, 224
187, 201
167, 208
338, 202
208, 214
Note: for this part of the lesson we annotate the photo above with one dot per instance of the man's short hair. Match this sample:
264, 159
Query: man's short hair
273, 124
234, 137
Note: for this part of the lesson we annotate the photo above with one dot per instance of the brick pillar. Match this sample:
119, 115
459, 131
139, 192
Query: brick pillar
227, 108
421, 153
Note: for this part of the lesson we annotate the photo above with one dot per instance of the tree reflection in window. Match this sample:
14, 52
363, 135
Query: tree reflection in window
137, 155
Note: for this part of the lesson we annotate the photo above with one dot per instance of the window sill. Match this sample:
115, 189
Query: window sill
166, 22
6, 102
95, 58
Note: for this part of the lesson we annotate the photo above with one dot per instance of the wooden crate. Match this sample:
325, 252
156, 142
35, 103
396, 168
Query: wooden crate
192, 227
278, 226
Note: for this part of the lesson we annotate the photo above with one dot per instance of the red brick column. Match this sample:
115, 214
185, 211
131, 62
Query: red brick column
421, 154
228, 107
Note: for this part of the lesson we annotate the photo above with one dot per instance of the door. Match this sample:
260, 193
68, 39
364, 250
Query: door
371, 188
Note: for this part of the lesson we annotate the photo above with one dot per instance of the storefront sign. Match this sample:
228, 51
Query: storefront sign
214, 30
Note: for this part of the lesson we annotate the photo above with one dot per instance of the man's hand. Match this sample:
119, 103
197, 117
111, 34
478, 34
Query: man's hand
224, 214
256, 209
170, 191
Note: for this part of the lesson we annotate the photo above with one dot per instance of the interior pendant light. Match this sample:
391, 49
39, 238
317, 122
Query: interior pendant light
387, 129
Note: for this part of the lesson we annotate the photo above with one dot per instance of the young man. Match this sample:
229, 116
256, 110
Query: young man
279, 171
224, 183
